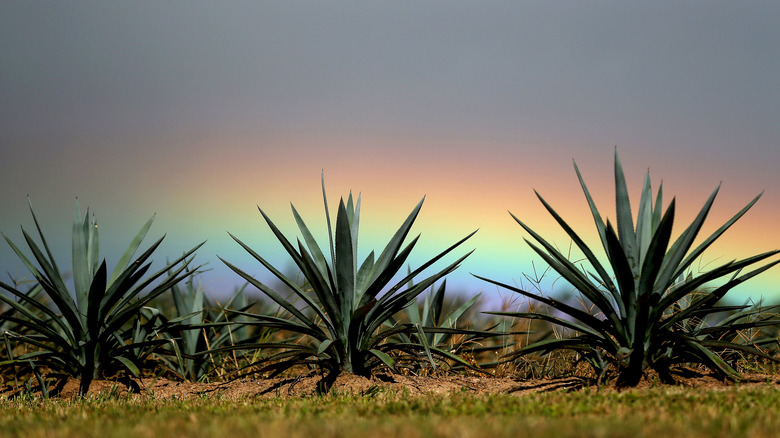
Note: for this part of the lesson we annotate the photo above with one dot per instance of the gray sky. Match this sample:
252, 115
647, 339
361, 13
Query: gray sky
497, 67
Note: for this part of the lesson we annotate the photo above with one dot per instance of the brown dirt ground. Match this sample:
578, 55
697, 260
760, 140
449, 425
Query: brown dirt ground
350, 384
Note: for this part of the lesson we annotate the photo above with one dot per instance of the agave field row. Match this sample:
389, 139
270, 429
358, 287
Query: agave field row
642, 310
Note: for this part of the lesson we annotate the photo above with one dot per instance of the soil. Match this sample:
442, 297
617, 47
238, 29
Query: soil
351, 384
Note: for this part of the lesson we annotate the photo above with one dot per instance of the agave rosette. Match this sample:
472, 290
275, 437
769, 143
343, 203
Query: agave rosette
445, 324
93, 332
347, 303
638, 294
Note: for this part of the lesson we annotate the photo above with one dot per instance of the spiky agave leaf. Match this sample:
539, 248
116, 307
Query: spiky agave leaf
349, 300
639, 291
85, 338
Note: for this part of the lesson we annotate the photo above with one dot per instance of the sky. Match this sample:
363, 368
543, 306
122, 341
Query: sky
199, 112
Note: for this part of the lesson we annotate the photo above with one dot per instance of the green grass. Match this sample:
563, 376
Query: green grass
660, 411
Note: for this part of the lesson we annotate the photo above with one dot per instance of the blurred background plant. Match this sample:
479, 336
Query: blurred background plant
198, 328
448, 325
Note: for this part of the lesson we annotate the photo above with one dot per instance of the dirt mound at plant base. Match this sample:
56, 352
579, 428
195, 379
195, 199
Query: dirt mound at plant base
350, 384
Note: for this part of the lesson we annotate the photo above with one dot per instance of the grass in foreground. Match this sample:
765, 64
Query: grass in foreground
661, 411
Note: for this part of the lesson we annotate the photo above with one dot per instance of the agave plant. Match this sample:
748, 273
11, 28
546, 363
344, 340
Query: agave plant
199, 325
639, 321
439, 323
445, 324
347, 302
87, 336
